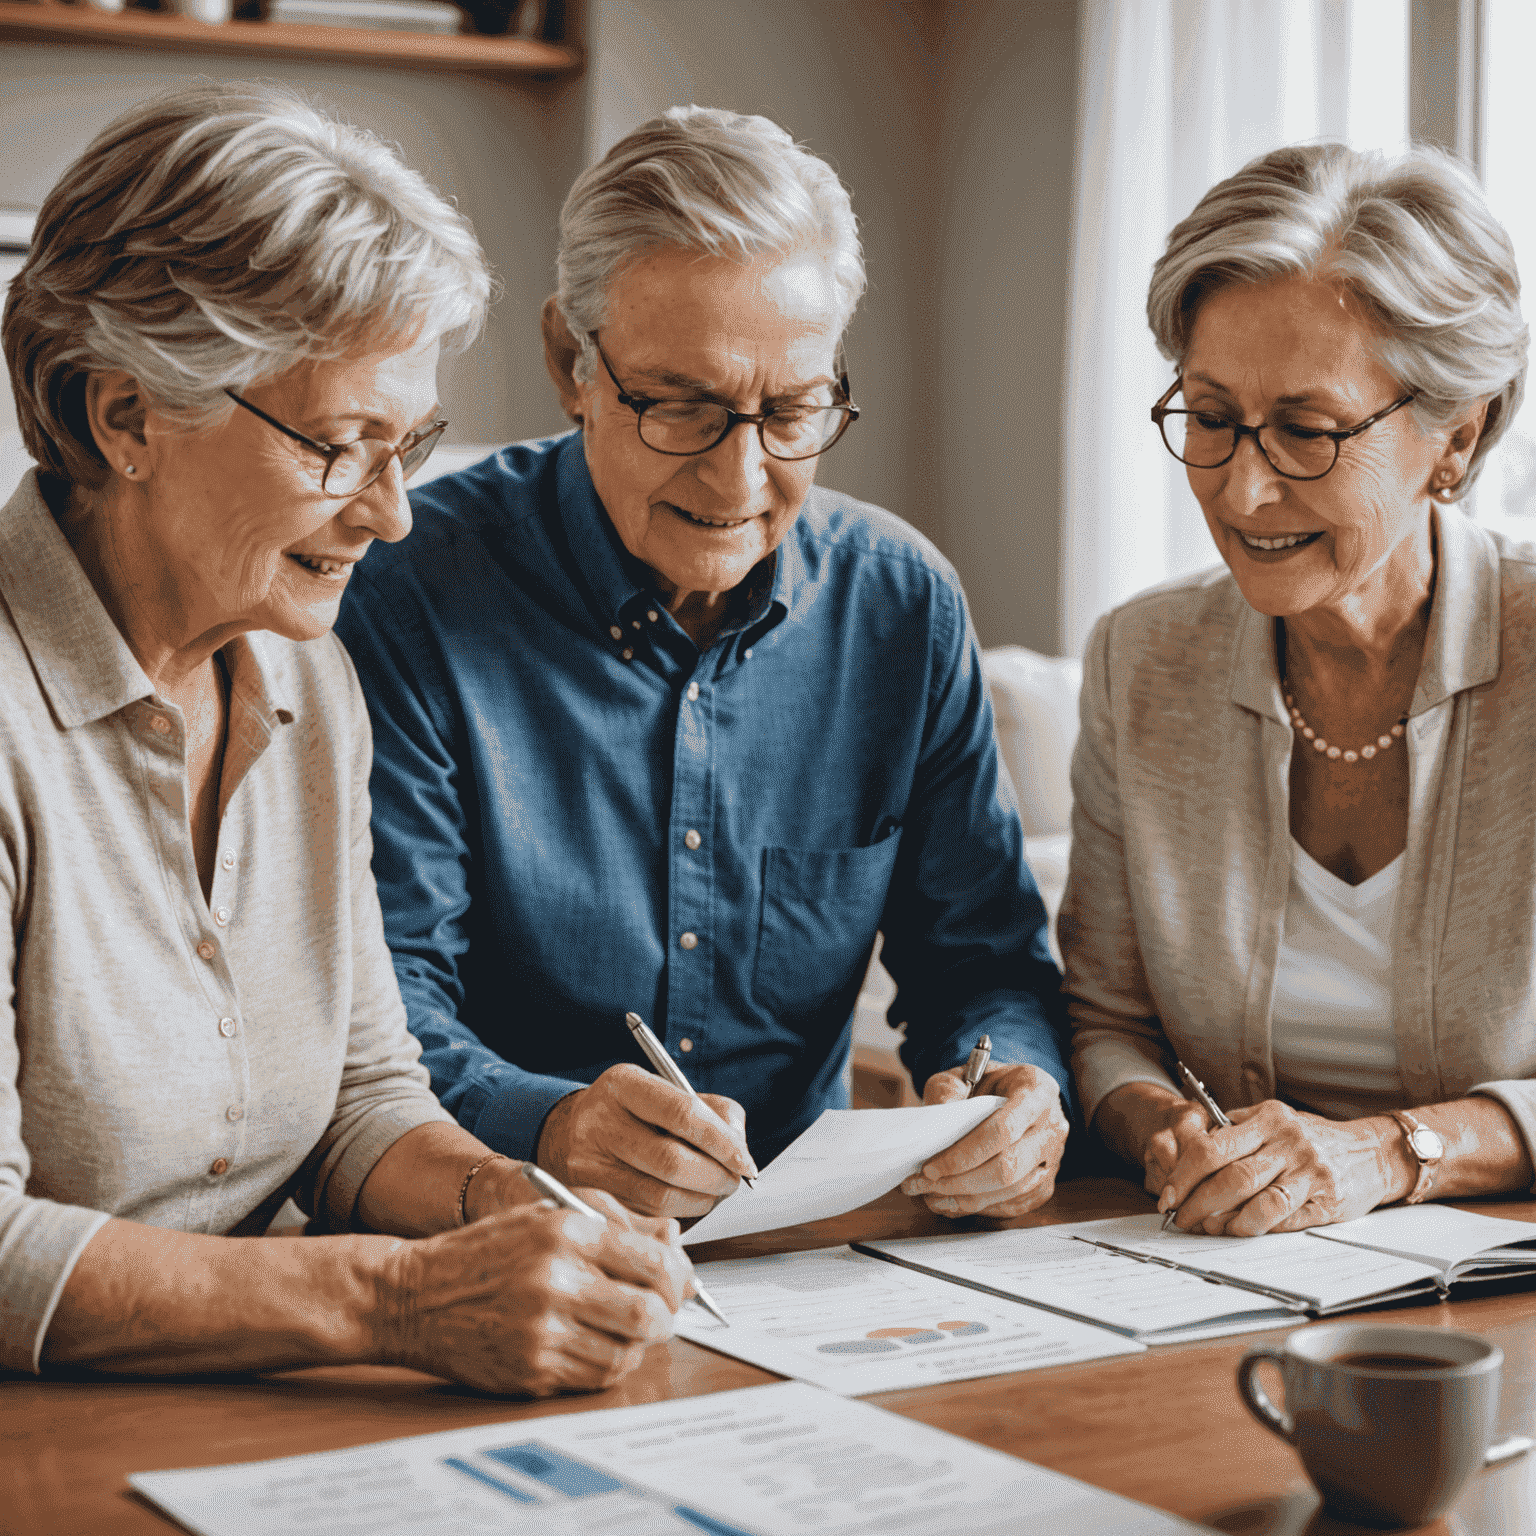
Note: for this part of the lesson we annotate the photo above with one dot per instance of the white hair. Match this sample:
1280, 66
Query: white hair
215, 236
704, 180
1410, 236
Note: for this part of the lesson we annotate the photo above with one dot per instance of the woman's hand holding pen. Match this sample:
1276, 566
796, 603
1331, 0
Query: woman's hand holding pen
658, 1149
1278, 1169
532, 1300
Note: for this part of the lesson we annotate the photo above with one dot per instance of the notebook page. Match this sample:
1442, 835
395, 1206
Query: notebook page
1433, 1234
1289, 1262
1044, 1266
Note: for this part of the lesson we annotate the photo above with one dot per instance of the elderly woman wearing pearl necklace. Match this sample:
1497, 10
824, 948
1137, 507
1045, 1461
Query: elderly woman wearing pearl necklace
1304, 839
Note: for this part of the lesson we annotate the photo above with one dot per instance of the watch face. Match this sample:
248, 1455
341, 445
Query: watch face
1427, 1145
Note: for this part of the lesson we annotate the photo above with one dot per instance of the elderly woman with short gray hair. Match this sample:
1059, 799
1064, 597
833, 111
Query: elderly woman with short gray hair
224, 346
1305, 826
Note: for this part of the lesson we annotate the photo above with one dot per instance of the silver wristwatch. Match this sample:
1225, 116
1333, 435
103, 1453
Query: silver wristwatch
1427, 1148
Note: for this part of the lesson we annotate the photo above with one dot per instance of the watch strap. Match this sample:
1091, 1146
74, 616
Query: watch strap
1410, 1124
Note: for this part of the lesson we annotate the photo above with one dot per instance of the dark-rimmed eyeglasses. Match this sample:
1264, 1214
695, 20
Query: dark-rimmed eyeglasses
1207, 439
353, 467
683, 428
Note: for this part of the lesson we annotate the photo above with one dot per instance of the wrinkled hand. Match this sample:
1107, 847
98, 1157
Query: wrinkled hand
1178, 1126
659, 1150
1277, 1169
1008, 1164
533, 1300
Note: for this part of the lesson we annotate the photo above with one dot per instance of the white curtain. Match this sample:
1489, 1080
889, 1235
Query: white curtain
1174, 95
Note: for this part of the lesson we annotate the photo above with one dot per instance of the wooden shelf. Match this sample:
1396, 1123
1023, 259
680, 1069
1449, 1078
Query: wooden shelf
504, 58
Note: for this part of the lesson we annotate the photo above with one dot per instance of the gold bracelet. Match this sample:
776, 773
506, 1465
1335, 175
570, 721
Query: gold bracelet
490, 1157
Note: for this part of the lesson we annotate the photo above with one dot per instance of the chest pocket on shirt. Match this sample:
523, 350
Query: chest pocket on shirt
821, 908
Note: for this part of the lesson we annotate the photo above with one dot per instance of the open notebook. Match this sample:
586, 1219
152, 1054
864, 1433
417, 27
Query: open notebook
1158, 1287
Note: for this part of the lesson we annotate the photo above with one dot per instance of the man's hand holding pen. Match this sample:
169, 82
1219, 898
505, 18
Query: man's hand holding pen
661, 1151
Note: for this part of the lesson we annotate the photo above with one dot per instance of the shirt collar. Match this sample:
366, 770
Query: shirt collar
1461, 648
619, 583
83, 664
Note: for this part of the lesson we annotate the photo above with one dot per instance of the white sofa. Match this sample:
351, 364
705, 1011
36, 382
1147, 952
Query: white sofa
1034, 702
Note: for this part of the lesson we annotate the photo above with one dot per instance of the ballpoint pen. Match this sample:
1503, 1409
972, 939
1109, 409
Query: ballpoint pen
976, 1065
552, 1189
1207, 1103
656, 1054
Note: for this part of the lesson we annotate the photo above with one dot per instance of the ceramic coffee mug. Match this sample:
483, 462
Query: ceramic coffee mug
1388, 1422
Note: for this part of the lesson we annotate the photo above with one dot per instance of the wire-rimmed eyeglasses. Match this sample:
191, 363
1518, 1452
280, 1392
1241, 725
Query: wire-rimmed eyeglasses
684, 428
1207, 439
353, 467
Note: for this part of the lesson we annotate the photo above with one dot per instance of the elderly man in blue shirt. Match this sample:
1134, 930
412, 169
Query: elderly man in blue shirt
661, 726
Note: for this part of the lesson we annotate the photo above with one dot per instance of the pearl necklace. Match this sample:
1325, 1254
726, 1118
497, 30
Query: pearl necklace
1334, 753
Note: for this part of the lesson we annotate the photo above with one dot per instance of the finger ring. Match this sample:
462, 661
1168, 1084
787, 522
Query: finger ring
1282, 1190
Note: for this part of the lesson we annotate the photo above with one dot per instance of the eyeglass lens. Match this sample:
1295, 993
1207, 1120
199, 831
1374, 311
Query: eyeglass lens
693, 426
1203, 441
359, 464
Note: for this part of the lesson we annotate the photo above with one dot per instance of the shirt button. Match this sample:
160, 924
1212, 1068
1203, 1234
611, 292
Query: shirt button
616, 632
160, 724
220, 1165
234, 1112
207, 949
627, 654
693, 691
746, 655
688, 940
228, 861
634, 623
652, 615
685, 1045
692, 838
227, 1028
221, 917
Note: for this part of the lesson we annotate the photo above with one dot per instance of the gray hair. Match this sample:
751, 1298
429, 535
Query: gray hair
702, 180
1410, 236
215, 236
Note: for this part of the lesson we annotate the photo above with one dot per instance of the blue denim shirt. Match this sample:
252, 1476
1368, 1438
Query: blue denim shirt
577, 813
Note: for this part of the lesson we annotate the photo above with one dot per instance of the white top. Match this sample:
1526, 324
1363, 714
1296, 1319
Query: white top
1332, 1027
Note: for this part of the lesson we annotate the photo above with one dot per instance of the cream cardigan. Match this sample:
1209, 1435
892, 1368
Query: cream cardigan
1181, 846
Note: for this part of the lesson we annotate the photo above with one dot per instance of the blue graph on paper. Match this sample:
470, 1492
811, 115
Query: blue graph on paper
563, 1496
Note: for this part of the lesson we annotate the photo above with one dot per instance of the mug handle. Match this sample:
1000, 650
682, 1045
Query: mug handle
1257, 1399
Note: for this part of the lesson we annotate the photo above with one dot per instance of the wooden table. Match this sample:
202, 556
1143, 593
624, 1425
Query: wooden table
1165, 1427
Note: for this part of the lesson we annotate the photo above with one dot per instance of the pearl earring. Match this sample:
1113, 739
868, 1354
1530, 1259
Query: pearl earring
128, 469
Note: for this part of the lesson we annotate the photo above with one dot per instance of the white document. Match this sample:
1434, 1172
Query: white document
847, 1158
854, 1324
784, 1460
1326, 1276
1046, 1268
1454, 1242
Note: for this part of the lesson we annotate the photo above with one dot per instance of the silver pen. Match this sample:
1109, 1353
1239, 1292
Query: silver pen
656, 1054
976, 1065
1195, 1087
552, 1189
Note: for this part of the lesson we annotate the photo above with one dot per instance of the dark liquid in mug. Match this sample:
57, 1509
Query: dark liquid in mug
1370, 1362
